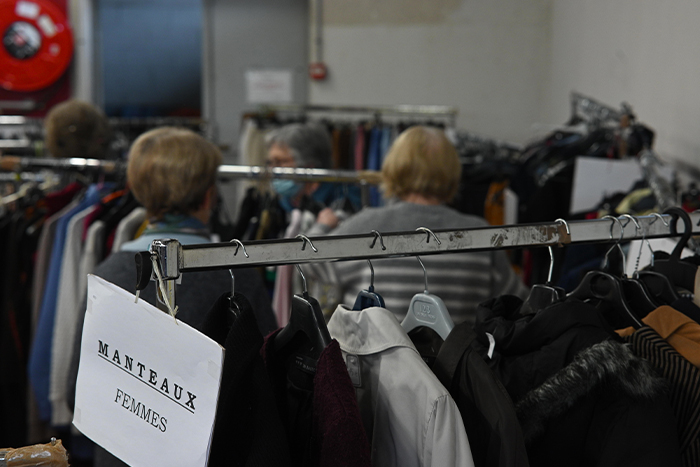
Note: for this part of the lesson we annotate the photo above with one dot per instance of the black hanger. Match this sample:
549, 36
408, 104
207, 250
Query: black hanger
606, 288
655, 284
598, 285
306, 330
658, 286
680, 273
368, 298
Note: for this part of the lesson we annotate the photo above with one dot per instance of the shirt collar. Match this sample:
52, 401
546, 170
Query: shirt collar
143, 243
369, 331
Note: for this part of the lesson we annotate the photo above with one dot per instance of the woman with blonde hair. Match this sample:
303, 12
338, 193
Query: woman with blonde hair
421, 173
172, 173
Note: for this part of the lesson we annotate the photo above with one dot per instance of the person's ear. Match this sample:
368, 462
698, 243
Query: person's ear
209, 199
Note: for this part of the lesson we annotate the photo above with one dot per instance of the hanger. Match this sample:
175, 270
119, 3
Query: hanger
428, 310
656, 283
680, 273
368, 298
306, 332
602, 286
543, 295
638, 297
232, 305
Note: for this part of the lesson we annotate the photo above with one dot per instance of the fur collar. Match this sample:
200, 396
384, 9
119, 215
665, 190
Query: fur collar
607, 365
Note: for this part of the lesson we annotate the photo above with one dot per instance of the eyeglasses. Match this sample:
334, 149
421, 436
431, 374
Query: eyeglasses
280, 161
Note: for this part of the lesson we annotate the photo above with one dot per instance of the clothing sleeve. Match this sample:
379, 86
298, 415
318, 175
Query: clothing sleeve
504, 280
446, 442
318, 230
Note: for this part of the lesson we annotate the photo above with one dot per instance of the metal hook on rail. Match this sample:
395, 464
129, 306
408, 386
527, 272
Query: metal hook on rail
305, 239
377, 235
429, 232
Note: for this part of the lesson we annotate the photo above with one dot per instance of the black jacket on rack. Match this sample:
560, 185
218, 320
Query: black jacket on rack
582, 397
495, 437
248, 430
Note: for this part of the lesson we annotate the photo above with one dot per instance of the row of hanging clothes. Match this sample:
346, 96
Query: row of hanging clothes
53, 236
58, 221
360, 136
604, 375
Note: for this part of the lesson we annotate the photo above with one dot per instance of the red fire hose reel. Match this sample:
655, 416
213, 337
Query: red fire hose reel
37, 44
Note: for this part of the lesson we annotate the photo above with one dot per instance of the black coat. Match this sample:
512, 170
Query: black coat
582, 397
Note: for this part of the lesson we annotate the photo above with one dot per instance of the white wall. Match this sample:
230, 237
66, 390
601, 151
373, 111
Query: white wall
644, 52
249, 34
486, 58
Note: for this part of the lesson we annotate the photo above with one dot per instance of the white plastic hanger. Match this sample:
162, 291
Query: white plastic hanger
428, 310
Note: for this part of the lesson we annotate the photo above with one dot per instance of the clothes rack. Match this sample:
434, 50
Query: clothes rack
174, 258
594, 112
226, 172
363, 178
432, 111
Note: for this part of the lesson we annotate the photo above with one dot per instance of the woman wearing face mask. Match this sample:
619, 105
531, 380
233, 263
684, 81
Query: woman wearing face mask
308, 146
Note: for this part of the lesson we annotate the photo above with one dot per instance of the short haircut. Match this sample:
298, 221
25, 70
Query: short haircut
77, 129
310, 144
423, 161
170, 170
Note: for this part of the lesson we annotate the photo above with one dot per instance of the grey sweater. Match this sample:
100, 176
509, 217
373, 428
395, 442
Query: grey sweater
462, 280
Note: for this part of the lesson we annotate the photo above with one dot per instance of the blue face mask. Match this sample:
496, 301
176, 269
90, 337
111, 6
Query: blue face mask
286, 188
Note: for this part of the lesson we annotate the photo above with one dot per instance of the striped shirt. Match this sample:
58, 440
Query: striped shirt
461, 280
684, 381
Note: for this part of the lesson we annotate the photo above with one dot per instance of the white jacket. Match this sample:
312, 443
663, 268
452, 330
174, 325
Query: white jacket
410, 418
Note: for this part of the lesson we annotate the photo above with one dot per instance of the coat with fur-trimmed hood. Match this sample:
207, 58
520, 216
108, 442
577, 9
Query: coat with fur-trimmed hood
581, 396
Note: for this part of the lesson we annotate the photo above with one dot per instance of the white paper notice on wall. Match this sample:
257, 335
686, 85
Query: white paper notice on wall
147, 386
269, 86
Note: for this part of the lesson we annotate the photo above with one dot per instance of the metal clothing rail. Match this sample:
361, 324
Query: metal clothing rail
176, 258
415, 110
226, 172
172, 258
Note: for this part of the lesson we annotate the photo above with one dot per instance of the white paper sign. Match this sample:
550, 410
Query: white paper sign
147, 386
269, 86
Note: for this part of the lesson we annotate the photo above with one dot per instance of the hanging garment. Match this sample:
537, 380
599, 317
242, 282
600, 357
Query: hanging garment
681, 332
197, 292
335, 153
410, 417
40, 356
248, 429
374, 161
579, 393
43, 257
360, 143
92, 255
127, 227
684, 381
282, 295
487, 411
318, 408
70, 295
17, 248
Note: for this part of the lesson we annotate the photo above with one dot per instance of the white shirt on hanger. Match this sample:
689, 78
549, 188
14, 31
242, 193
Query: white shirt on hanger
410, 417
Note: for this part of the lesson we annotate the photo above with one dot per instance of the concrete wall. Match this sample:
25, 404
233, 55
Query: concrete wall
488, 59
246, 35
